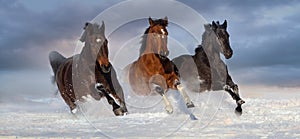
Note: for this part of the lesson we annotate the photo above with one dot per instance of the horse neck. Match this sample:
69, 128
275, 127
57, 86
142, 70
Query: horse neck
87, 54
143, 42
209, 46
147, 45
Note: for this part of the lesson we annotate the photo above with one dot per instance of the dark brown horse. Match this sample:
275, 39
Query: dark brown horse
88, 73
205, 70
153, 73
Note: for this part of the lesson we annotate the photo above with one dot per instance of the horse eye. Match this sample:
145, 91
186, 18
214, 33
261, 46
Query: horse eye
98, 40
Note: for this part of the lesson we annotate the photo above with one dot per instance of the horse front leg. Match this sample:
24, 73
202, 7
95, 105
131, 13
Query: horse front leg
183, 93
238, 100
168, 107
233, 90
119, 106
111, 99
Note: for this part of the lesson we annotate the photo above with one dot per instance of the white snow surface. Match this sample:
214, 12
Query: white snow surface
263, 117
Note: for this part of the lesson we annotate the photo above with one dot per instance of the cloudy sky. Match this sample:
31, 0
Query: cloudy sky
264, 36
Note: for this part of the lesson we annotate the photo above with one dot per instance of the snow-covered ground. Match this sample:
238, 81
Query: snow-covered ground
264, 116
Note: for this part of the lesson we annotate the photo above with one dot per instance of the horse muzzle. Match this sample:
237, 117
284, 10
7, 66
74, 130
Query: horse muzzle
228, 54
164, 53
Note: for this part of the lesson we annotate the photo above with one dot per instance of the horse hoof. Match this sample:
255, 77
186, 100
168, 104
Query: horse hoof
169, 110
193, 117
118, 112
238, 110
73, 111
190, 105
125, 113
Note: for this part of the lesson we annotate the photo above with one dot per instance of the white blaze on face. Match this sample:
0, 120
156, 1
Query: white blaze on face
163, 33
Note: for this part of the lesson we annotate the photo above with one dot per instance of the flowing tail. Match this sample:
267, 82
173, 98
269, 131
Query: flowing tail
56, 59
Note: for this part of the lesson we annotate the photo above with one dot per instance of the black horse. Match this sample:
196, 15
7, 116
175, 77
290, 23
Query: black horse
205, 70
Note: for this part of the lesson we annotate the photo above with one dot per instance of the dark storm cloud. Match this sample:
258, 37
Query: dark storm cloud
256, 25
263, 34
277, 51
264, 37
22, 30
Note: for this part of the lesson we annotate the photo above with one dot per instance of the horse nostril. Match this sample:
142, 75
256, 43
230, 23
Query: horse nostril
166, 53
229, 54
162, 53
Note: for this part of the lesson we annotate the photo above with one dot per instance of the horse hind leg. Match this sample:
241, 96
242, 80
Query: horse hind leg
70, 102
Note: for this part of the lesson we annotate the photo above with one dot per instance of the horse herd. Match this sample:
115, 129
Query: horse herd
90, 73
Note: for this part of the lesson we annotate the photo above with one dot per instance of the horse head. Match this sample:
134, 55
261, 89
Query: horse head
96, 44
221, 36
155, 37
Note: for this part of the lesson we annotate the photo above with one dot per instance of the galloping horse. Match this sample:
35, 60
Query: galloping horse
205, 70
88, 73
153, 72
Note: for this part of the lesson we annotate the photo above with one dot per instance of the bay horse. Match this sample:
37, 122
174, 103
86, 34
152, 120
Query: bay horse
89, 73
153, 73
205, 70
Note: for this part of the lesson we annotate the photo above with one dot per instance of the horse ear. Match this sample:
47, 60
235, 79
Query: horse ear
166, 21
83, 37
86, 24
224, 24
214, 25
150, 21
102, 28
